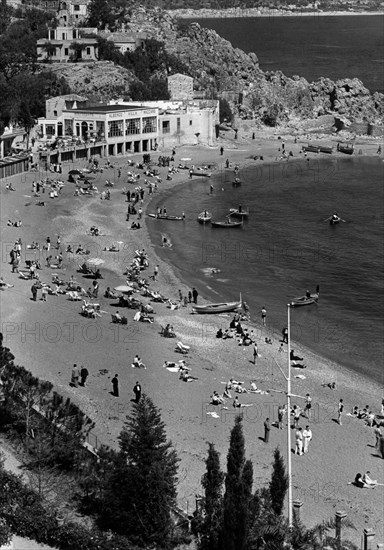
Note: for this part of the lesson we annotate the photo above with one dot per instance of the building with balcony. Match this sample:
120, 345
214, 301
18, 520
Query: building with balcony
66, 44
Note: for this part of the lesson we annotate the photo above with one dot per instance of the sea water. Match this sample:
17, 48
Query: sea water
285, 247
311, 46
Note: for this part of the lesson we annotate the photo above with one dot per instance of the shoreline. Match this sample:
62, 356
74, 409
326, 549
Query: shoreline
183, 406
254, 12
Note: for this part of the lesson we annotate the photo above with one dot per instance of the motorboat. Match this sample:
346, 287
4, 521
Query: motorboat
204, 217
228, 223
219, 307
165, 217
238, 212
307, 299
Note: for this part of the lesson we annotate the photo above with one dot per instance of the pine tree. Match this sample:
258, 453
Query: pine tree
238, 493
279, 483
142, 484
212, 482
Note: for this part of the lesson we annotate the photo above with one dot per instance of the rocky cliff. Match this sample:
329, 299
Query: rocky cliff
219, 70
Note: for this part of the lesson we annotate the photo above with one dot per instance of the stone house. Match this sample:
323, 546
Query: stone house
72, 12
180, 86
68, 44
125, 41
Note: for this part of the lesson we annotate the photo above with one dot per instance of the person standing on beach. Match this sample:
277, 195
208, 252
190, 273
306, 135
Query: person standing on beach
221, 150
255, 353
307, 436
263, 315
280, 416
83, 375
155, 272
296, 415
308, 406
299, 442
190, 297
340, 411
285, 335
137, 392
267, 429
194, 295
115, 386
75, 376
34, 292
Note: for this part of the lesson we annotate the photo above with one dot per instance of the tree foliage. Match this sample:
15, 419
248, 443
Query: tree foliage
141, 486
279, 483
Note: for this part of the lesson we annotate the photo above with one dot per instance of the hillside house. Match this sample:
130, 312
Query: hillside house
124, 41
68, 44
72, 12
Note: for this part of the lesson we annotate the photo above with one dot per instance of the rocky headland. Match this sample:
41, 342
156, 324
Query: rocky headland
220, 70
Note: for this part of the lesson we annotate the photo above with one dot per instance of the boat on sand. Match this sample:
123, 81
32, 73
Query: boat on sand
219, 307
165, 217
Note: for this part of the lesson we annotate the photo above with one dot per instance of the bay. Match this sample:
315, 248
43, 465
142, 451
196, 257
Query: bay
335, 47
285, 248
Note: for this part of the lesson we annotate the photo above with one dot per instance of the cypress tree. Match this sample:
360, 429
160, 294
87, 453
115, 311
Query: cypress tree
238, 493
141, 489
279, 483
212, 482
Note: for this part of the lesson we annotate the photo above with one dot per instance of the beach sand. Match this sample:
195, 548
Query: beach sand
49, 337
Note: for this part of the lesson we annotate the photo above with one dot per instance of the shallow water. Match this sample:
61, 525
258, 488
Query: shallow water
285, 247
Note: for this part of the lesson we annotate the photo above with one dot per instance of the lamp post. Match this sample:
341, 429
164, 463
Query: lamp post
289, 457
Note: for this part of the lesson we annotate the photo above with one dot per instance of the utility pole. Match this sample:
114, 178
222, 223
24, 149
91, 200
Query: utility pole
289, 456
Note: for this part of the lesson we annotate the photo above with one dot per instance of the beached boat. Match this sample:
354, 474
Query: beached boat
307, 299
219, 307
202, 173
204, 217
165, 217
347, 149
228, 223
238, 213
325, 149
311, 148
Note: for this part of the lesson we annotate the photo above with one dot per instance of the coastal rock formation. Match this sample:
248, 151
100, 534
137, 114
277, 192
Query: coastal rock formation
100, 80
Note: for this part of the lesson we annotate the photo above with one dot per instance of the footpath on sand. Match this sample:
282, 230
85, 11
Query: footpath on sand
49, 337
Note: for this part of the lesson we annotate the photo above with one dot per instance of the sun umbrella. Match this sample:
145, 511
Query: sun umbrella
95, 261
125, 289
73, 172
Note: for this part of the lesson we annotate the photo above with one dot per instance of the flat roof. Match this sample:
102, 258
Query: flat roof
112, 108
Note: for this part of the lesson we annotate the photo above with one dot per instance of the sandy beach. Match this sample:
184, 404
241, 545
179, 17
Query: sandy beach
49, 337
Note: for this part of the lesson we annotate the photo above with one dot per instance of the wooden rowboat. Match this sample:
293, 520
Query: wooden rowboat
236, 213
204, 217
347, 149
311, 148
165, 217
306, 300
219, 307
227, 224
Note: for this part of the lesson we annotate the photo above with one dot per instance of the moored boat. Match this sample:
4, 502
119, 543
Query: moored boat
238, 212
202, 173
325, 149
218, 308
307, 299
166, 217
236, 182
204, 217
227, 223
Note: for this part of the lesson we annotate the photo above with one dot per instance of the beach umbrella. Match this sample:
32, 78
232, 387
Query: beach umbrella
95, 261
74, 172
125, 289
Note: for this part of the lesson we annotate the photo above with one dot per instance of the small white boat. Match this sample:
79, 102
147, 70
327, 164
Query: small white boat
204, 217
307, 299
219, 307
238, 212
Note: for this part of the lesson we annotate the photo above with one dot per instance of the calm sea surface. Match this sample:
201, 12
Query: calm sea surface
334, 47
285, 247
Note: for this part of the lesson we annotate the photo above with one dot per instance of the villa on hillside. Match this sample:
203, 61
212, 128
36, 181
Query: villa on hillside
125, 41
72, 12
66, 44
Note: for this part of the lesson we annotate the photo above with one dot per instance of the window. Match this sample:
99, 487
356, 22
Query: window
50, 130
66, 51
74, 35
88, 51
76, 17
54, 113
63, 37
149, 124
76, 7
178, 125
52, 35
132, 126
190, 122
115, 128
166, 127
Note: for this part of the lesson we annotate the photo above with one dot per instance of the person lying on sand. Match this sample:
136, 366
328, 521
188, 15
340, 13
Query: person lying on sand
186, 377
359, 482
330, 385
15, 224
137, 363
216, 399
294, 357
297, 365
4, 284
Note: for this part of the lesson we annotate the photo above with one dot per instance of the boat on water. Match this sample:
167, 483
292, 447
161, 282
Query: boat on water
204, 217
236, 182
307, 299
202, 173
238, 212
165, 217
228, 223
347, 149
334, 221
311, 148
219, 307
